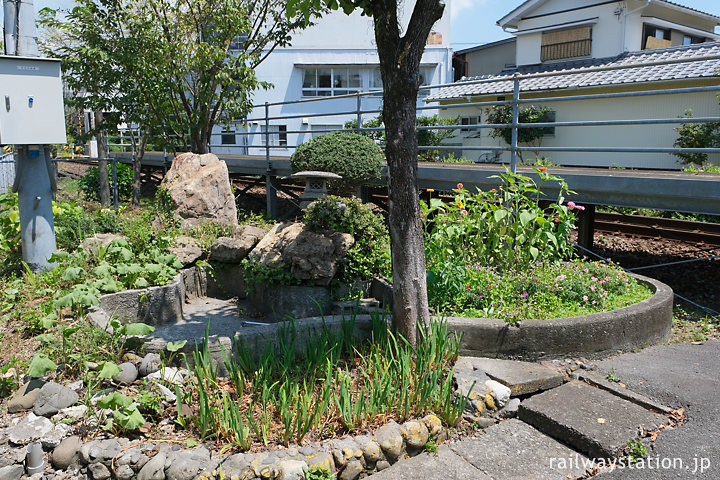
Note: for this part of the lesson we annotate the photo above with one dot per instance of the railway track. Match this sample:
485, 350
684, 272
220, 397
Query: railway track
654, 227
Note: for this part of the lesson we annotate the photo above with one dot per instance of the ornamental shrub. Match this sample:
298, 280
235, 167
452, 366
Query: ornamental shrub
370, 255
90, 182
354, 157
531, 114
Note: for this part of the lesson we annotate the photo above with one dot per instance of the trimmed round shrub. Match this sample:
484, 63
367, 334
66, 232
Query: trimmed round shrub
354, 157
370, 255
90, 182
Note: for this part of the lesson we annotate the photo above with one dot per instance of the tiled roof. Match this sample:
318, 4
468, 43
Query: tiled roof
689, 8
584, 76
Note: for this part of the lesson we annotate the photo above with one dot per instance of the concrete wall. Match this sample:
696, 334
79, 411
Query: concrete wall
491, 60
626, 108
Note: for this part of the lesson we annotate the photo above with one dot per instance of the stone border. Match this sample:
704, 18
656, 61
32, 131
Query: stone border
644, 323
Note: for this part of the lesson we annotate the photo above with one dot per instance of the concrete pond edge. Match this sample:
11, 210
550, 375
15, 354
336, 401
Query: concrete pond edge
599, 334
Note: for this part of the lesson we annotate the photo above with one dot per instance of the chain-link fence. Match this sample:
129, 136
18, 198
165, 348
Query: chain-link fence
7, 172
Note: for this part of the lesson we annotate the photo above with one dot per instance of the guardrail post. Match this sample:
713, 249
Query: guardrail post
359, 114
116, 199
271, 183
586, 227
515, 121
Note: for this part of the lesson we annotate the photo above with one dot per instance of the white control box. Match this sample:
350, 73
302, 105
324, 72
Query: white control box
31, 101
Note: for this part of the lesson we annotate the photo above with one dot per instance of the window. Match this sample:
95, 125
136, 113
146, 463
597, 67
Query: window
324, 82
690, 40
469, 121
317, 130
655, 37
566, 43
227, 137
277, 137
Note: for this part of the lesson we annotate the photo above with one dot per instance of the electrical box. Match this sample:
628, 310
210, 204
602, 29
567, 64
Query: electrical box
31, 101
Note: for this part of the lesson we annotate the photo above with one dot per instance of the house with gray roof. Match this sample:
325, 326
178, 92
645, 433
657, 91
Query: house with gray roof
581, 48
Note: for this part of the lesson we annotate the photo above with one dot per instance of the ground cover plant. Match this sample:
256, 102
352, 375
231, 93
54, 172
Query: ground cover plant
331, 386
500, 254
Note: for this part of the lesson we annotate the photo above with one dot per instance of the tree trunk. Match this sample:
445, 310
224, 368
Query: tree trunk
103, 176
138, 154
400, 68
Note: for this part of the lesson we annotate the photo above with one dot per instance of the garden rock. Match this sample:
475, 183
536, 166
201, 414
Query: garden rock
199, 190
390, 437
176, 376
52, 398
510, 410
65, 454
11, 472
150, 363
417, 434
154, 469
99, 471
351, 471
29, 429
308, 255
53, 438
93, 244
250, 232
70, 413
382, 465
370, 449
188, 464
124, 472
101, 450
292, 469
500, 392
10, 456
231, 249
433, 424
186, 250
344, 450
319, 459
24, 397
128, 374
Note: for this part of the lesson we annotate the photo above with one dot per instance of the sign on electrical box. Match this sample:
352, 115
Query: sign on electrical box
31, 101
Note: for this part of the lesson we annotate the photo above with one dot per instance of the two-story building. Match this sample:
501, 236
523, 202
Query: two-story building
336, 56
582, 37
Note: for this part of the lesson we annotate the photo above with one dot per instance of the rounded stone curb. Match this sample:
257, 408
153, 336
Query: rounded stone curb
624, 329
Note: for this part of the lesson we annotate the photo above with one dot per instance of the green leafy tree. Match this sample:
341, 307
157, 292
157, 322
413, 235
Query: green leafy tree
172, 69
696, 135
399, 53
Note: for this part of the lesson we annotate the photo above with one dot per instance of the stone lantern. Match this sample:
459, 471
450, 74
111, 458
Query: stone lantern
315, 185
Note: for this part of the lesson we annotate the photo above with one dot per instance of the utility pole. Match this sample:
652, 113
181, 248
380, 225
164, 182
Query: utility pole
34, 178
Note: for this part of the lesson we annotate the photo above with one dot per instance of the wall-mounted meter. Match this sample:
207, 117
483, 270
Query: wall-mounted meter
31, 101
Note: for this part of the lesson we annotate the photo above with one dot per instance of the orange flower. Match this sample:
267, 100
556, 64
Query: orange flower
542, 169
430, 190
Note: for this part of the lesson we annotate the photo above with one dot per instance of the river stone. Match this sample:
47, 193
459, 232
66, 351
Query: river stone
124, 472
417, 434
99, 471
382, 465
308, 255
128, 374
186, 250
433, 424
231, 249
11, 456
65, 454
150, 363
500, 392
174, 375
352, 470
53, 438
292, 469
344, 450
11, 472
370, 449
52, 398
188, 464
153, 469
24, 397
199, 190
320, 459
390, 438
29, 429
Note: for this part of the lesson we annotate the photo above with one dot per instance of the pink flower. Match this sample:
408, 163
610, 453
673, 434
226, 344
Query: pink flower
467, 286
459, 186
571, 204
585, 298
579, 207
560, 278
557, 220
592, 287
463, 212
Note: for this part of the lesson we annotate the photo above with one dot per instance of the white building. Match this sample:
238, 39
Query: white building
580, 36
336, 56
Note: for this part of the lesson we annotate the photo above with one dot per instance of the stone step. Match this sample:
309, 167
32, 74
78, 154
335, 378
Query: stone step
522, 378
593, 421
513, 450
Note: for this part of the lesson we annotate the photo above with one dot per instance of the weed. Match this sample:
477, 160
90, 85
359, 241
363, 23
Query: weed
431, 447
635, 451
318, 472
612, 376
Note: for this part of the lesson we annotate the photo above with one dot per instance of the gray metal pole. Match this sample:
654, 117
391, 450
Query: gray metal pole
515, 120
270, 180
116, 199
359, 114
33, 182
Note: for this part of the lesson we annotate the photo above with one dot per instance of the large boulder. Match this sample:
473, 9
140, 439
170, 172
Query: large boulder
310, 257
199, 190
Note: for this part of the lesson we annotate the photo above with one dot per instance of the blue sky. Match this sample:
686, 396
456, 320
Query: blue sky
473, 21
